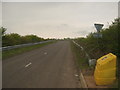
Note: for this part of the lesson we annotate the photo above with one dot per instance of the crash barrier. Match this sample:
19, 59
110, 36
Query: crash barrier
91, 62
22, 45
105, 70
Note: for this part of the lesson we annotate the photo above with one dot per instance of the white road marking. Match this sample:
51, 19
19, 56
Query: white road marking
76, 75
28, 64
45, 53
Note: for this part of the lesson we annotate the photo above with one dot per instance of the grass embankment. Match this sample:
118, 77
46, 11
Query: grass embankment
9, 53
98, 47
82, 61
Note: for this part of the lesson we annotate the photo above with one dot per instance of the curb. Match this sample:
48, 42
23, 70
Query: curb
81, 77
82, 80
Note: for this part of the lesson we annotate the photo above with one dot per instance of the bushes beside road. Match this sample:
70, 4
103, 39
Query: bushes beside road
15, 39
12, 39
9, 53
97, 47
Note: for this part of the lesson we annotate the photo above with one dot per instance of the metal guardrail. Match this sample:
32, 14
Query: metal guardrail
82, 49
91, 62
22, 45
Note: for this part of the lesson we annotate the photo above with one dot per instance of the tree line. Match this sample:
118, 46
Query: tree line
15, 39
109, 43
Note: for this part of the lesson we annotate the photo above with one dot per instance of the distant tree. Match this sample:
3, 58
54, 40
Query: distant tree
15, 39
2, 30
32, 38
11, 39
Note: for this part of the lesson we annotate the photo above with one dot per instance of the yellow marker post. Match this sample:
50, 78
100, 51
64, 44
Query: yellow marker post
105, 70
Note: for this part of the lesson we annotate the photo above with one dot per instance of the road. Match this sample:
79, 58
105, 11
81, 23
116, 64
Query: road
52, 66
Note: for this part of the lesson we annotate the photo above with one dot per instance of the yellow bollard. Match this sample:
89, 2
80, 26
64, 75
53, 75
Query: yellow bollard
105, 70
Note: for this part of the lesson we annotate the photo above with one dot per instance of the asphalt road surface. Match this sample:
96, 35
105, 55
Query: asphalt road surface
52, 66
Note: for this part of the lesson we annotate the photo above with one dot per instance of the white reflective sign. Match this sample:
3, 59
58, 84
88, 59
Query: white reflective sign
97, 35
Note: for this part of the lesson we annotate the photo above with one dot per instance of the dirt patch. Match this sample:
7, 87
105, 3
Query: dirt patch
89, 78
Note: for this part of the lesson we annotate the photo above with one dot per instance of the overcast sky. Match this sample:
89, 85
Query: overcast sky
57, 20
0, 14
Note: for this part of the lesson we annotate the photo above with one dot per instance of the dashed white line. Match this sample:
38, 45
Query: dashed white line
45, 53
28, 64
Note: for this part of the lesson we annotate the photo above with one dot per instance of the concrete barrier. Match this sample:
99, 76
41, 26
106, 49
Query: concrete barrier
82, 80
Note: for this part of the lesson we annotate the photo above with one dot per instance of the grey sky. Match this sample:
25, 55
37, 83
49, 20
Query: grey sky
60, 0
57, 20
0, 13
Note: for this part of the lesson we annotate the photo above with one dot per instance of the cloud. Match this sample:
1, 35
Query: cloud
83, 31
60, 0
56, 19
64, 25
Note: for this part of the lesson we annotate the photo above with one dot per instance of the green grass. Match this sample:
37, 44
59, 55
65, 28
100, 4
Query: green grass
81, 59
13, 52
82, 62
116, 84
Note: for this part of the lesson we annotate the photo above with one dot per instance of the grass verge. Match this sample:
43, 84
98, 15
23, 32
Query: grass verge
13, 52
82, 63
116, 83
81, 60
